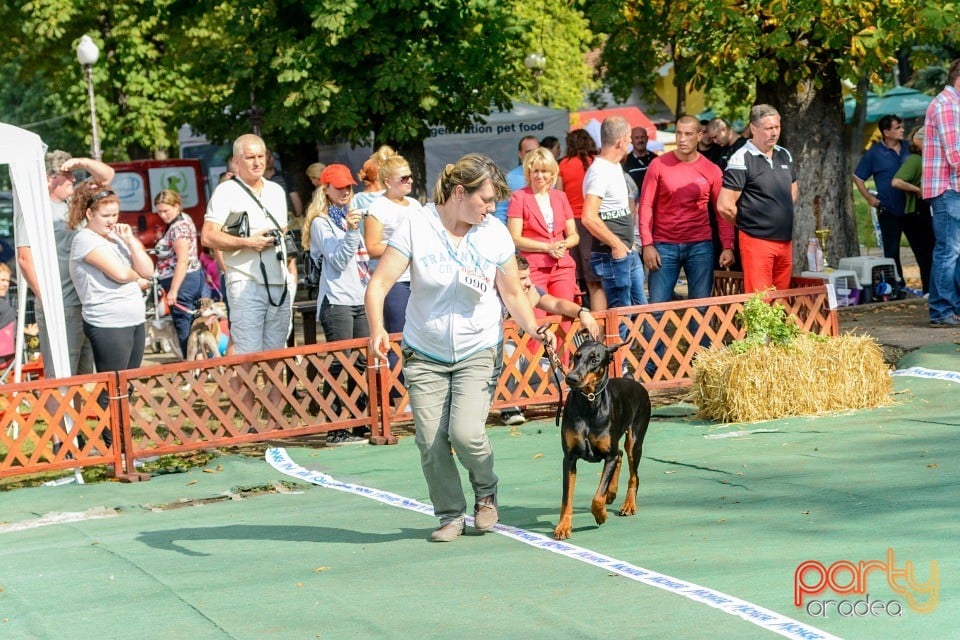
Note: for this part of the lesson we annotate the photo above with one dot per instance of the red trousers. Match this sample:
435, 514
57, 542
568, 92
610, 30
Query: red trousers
766, 263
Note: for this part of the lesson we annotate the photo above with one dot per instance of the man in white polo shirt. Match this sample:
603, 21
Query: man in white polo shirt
261, 278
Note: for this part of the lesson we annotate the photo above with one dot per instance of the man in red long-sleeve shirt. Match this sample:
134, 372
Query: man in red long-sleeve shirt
678, 191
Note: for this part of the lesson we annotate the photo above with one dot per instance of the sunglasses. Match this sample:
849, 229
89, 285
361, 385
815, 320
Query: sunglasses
406, 178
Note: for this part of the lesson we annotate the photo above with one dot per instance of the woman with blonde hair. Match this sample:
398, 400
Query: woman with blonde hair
386, 214
110, 269
313, 173
541, 224
178, 266
370, 176
333, 234
461, 266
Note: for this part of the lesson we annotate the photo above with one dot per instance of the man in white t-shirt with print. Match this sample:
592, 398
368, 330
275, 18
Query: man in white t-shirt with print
609, 219
261, 278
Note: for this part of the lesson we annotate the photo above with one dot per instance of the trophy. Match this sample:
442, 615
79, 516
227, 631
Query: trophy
822, 235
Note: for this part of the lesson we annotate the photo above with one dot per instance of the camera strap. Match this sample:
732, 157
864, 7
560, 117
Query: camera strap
263, 268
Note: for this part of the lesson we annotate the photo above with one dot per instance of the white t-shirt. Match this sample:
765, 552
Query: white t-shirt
390, 214
447, 319
244, 264
106, 302
605, 180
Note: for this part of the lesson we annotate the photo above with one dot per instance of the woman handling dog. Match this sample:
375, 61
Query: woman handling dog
460, 258
178, 266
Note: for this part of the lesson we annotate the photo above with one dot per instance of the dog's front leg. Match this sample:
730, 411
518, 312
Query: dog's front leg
611, 468
565, 524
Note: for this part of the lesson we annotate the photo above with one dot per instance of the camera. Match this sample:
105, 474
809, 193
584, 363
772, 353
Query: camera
283, 241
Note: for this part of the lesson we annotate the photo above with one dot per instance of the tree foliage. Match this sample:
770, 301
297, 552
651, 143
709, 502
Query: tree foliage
562, 34
319, 70
329, 70
791, 53
137, 84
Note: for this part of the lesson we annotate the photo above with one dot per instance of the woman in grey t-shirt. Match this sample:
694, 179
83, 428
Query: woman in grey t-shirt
110, 269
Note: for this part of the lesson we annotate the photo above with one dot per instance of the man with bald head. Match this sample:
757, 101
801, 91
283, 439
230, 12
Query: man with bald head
725, 141
639, 158
678, 192
261, 279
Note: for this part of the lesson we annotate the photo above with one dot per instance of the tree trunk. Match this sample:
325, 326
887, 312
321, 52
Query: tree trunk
812, 131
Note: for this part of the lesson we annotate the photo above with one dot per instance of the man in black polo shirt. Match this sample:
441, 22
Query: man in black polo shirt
637, 161
758, 194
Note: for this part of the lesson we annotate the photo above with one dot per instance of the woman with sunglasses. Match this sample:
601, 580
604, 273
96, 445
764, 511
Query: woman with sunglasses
386, 213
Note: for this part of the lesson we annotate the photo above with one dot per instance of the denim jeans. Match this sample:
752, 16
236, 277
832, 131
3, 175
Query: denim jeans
190, 291
945, 273
395, 307
622, 281
696, 258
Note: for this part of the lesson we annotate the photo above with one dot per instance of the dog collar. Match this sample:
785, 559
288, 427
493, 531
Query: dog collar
593, 396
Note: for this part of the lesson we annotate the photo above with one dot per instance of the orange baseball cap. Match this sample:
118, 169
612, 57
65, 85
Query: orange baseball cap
337, 175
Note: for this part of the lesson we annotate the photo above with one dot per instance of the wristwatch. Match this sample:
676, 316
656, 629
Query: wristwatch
582, 310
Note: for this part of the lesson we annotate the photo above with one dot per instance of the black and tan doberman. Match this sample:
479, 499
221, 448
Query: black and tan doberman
599, 411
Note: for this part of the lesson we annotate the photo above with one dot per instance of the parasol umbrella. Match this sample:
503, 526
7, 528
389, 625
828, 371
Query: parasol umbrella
900, 101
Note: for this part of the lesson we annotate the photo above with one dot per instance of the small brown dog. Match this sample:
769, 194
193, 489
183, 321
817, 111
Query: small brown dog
204, 339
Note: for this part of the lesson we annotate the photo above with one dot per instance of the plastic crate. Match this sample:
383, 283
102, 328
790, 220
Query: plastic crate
871, 271
845, 283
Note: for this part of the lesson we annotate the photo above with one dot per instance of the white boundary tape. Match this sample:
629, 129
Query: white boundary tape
935, 374
764, 618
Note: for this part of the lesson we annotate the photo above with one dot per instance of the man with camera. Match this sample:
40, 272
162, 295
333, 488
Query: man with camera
246, 219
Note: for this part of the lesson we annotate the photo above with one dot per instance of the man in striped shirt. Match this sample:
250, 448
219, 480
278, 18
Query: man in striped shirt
940, 183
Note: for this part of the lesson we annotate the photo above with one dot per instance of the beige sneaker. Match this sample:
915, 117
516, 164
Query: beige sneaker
485, 513
450, 531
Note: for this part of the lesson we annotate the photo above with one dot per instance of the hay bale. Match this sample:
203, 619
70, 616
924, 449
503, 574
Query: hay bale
810, 376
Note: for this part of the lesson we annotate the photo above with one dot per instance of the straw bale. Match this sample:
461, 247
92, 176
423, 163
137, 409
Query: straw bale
810, 376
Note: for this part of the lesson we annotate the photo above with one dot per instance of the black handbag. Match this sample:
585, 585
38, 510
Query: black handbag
237, 224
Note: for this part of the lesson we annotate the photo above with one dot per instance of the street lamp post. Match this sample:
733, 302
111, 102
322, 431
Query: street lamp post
536, 63
87, 54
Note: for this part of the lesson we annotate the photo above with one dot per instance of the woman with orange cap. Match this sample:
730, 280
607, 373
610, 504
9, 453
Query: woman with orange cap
334, 234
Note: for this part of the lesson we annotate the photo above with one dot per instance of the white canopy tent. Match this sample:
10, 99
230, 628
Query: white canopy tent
23, 152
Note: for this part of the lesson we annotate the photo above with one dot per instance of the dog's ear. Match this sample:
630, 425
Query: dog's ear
612, 350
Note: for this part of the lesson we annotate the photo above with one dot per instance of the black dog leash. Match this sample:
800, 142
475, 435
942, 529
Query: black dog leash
557, 369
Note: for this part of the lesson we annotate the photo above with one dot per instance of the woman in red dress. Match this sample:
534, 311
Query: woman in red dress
540, 220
